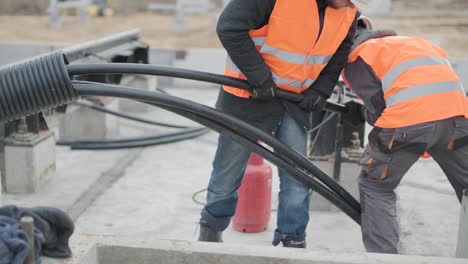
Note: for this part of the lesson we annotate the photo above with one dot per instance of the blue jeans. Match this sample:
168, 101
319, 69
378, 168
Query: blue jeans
228, 169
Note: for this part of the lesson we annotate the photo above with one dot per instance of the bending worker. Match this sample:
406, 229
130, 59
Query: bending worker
300, 47
417, 104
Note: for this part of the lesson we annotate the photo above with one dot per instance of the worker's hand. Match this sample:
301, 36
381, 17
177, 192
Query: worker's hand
312, 101
266, 91
370, 117
355, 114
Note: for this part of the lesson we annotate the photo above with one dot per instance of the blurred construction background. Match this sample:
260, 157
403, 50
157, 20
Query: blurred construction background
442, 21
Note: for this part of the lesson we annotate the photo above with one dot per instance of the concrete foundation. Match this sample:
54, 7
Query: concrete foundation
87, 124
169, 252
149, 83
28, 163
349, 175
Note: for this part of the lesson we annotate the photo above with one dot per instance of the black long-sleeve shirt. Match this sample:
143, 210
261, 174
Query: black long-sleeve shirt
241, 16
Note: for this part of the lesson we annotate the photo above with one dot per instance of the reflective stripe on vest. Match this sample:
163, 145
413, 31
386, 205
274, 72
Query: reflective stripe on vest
397, 70
422, 90
296, 58
277, 79
418, 90
258, 41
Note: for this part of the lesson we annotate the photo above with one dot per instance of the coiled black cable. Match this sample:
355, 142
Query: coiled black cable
33, 86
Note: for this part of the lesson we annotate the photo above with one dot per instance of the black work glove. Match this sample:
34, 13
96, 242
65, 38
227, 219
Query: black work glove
370, 117
312, 101
355, 114
266, 91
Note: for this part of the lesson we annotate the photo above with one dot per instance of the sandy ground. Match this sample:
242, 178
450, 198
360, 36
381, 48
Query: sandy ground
444, 22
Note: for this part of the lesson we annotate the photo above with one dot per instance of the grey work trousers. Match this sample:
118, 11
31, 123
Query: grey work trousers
389, 155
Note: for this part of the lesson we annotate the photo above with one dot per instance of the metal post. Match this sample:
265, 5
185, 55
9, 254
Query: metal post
462, 246
27, 224
179, 16
84, 10
54, 16
338, 148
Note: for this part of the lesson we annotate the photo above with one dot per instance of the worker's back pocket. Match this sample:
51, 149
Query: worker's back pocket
460, 134
375, 163
414, 139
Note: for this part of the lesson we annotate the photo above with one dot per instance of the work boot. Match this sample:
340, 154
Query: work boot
208, 234
288, 242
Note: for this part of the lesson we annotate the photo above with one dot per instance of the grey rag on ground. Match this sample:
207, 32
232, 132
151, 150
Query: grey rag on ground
55, 225
14, 244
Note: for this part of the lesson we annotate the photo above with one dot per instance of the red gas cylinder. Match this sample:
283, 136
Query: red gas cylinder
254, 203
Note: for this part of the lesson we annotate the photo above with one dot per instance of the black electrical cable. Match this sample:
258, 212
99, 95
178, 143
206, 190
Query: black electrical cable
126, 68
318, 127
127, 116
195, 194
324, 122
279, 160
242, 127
134, 142
283, 157
158, 70
30, 92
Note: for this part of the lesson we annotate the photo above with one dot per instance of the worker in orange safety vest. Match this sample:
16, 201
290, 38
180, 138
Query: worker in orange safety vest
301, 47
417, 104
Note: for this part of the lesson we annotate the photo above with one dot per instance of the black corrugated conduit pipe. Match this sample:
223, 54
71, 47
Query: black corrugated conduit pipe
42, 83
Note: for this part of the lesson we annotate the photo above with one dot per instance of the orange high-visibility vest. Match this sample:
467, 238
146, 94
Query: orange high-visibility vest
418, 81
291, 46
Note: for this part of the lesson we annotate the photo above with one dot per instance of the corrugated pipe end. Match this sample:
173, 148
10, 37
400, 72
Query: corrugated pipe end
35, 85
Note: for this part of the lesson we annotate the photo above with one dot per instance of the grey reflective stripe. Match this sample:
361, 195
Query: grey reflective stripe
397, 70
319, 60
424, 89
277, 79
291, 57
295, 58
308, 82
258, 41
292, 83
230, 65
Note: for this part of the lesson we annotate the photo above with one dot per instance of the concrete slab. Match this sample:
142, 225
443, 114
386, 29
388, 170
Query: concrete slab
87, 124
149, 83
169, 252
76, 172
349, 174
29, 163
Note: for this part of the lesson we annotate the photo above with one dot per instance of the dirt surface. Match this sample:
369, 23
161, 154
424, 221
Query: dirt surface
444, 22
